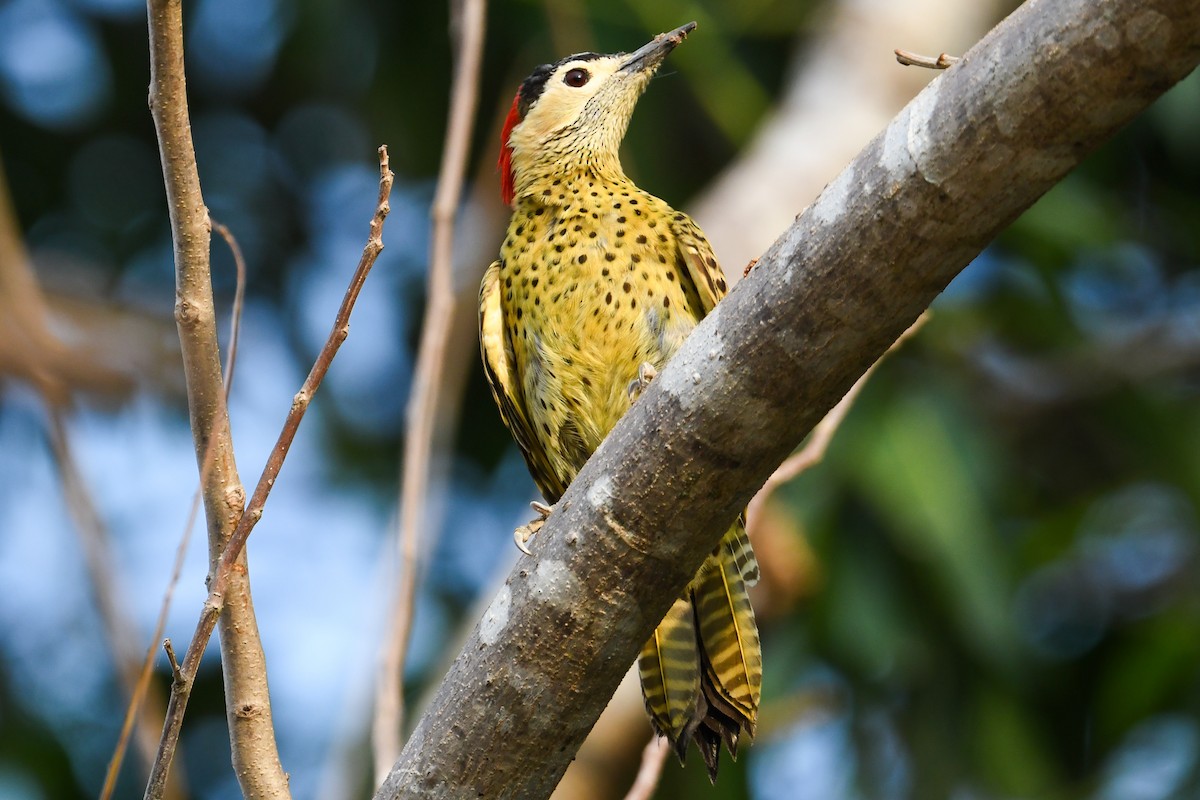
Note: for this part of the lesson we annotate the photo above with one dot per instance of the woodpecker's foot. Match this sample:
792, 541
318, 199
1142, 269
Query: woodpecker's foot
526, 532
646, 373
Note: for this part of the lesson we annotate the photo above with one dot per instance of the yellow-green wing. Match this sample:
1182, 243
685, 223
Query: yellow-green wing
698, 257
498, 366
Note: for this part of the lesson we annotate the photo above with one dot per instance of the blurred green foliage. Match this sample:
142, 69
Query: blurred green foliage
1007, 520
1005, 599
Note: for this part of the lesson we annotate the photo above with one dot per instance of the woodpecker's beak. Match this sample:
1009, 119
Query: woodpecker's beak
650, 55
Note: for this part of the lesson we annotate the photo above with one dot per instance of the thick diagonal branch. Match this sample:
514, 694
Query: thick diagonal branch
962, 160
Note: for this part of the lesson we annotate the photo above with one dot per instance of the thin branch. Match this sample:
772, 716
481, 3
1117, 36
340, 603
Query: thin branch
470, 17
813, 451
227, 567
653, 757
909, 59
239, 302
176, 673
247, 698
976, 148
95, 542
147, 672
143, 679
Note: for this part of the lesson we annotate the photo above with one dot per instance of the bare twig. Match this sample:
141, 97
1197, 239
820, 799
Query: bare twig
239, 301
225, 568
98, 556
813, 451
389, 705
176, 674
928, 62
653, 758
247, 699
143, 679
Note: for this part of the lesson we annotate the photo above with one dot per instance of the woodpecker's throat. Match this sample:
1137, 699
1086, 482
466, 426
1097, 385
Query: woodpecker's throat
570, 116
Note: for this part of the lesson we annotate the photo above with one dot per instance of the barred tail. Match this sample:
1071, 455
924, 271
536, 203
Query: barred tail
670, 669
701, 671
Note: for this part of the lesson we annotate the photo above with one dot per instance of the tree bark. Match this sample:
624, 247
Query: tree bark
979, 145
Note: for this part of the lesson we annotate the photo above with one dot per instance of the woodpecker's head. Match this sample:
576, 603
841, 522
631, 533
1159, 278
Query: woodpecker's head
574, 112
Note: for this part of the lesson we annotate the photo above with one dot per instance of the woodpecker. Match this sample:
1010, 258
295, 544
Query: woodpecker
597, 285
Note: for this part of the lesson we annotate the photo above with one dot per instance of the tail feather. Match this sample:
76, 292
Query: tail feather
669, 666
708, 742
738, 544
728, 634
701, 671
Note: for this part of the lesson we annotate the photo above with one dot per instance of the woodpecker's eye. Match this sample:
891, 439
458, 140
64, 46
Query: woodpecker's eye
576, 77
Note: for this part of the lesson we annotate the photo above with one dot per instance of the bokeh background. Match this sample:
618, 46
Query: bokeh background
988, 589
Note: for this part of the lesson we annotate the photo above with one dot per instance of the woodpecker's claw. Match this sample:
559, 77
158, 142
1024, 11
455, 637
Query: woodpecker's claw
646, 373
522, 535
526, 532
